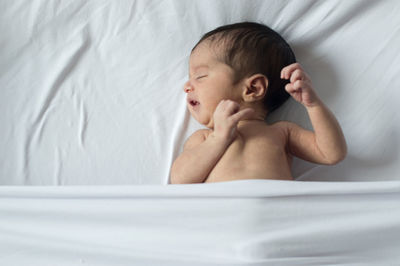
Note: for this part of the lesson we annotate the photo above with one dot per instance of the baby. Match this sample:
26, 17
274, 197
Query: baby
238, 74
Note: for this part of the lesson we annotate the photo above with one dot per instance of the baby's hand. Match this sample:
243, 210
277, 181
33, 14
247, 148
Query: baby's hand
226, 117
300, 87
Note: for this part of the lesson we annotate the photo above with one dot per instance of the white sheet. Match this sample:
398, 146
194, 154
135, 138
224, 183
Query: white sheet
247, 222
91, 91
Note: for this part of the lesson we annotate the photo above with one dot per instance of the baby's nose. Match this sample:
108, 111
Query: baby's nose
187, 87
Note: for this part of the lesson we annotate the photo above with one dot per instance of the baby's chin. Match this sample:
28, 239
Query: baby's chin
209, 123
205, 121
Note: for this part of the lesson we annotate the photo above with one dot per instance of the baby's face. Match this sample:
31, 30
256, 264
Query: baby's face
210, 81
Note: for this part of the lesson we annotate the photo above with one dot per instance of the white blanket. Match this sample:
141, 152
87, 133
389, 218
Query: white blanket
248, 222
91, 91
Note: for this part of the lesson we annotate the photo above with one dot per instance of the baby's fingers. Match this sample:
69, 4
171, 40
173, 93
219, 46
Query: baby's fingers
287, 71
242, 114
298, 75
297, 86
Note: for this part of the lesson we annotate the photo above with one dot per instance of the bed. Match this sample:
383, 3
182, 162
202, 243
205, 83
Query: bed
93, 114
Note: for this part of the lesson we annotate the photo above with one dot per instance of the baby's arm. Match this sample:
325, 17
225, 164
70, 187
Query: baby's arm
199, 156
326, 145
201, 153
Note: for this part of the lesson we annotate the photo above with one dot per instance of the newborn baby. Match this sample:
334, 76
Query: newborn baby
238, 74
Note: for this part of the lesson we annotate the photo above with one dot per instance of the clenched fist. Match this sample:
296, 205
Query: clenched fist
300, 87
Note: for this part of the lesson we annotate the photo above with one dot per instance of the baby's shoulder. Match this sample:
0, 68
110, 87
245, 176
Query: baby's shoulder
196, 138
203, 133
291, 131
281, 129
283, 126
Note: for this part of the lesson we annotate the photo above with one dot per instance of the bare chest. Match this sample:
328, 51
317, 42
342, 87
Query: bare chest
253, 156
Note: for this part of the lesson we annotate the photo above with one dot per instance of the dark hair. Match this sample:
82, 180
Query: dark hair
251, 48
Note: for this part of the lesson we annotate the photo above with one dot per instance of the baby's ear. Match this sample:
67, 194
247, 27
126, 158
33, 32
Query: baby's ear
255, 88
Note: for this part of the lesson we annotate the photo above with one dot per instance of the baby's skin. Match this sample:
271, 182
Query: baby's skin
238, 143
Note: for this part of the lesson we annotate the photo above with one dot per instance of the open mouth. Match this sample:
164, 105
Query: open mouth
193, 102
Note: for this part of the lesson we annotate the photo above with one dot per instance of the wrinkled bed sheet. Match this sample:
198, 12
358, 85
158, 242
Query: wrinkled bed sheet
91, 91
247, 222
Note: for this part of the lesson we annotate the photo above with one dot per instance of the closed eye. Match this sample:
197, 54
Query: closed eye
201, 77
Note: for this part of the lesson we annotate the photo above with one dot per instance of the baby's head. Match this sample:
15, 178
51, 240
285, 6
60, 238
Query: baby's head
241, 62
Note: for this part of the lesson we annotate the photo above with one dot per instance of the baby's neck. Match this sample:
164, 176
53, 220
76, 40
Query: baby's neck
259, 113
251, 121
257, 117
